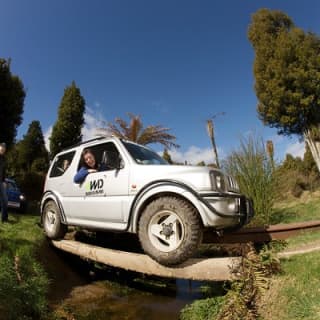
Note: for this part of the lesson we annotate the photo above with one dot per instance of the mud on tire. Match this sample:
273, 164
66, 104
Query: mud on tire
52, 224
170, 230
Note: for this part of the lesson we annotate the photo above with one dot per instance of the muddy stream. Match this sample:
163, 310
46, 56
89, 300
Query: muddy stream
90, 291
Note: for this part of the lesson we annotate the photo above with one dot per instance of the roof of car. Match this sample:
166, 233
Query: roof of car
88, 141
96, 139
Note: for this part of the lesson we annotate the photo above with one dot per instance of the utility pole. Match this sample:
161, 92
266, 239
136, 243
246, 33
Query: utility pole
210, 128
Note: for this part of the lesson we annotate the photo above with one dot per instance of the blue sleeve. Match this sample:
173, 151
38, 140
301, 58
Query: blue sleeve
81, 175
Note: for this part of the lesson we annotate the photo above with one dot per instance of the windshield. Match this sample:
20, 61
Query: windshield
143, 155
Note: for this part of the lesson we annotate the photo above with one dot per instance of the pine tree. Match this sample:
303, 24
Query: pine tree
12, 96
287, 76
67, 129
33, 155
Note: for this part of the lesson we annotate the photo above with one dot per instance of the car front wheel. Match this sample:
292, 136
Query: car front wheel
170, 230
52, 224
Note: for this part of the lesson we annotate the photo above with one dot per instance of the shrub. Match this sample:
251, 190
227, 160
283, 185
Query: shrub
202, 309
31, 184
297, 190
293, 178
254, 171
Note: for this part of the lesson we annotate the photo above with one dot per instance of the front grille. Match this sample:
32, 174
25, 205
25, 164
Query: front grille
232, 185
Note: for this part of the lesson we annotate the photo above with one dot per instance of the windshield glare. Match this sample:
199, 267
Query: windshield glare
143, 155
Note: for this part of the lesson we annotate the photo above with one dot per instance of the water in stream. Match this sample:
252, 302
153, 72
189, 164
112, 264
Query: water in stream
89, 292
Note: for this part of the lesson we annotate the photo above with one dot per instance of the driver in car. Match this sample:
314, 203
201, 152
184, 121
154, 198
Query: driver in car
88, 165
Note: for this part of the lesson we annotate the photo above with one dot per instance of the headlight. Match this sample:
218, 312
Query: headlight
22, 197
217, 181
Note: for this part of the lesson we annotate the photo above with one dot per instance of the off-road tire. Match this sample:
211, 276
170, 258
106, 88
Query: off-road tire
53, 227
188, 220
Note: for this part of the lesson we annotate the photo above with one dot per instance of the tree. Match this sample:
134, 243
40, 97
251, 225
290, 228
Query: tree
309, 163
135, 132
31, 149
292, 164
166, 156
12, 96
287, 76
67, 129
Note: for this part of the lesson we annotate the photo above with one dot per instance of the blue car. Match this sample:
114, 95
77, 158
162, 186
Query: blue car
16, 199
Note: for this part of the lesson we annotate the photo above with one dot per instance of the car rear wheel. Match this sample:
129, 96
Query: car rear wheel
52, 224
170, 230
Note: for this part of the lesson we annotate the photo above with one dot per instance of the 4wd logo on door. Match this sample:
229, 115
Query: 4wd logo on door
94, 187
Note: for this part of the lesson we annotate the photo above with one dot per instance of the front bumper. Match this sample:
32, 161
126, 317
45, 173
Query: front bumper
229, 206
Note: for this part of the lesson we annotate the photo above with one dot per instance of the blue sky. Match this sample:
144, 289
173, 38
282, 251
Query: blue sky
175, 63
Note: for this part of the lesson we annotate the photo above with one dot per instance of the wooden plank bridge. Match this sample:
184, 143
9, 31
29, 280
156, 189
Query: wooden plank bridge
209, 269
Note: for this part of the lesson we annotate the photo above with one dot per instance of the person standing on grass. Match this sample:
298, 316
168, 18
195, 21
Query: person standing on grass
3, 187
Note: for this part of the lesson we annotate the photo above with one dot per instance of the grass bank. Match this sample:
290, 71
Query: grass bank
305, 208
23, 282
294, 293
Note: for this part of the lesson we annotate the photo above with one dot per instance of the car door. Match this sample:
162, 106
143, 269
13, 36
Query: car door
99, 200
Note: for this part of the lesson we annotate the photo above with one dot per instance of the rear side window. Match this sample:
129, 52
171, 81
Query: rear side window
61, 164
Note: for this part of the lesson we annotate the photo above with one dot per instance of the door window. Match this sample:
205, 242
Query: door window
106, 156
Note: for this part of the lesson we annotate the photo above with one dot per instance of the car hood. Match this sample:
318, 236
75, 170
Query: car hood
198, 178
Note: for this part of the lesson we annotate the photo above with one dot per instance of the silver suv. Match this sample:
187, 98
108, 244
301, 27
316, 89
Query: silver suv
136, 191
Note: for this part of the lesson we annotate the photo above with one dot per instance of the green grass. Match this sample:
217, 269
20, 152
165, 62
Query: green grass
23, 282
205, 309
297, 213
298, 296
21, 231
297, 293
305, 238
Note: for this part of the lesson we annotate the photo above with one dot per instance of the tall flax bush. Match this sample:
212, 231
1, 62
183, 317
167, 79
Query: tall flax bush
253, 168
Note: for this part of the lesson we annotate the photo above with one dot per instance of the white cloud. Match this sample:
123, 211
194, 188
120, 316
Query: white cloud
46, 136
296, 149
194, 155
93, 121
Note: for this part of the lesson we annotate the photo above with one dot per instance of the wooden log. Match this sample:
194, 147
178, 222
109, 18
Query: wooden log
210, 269
262, 234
